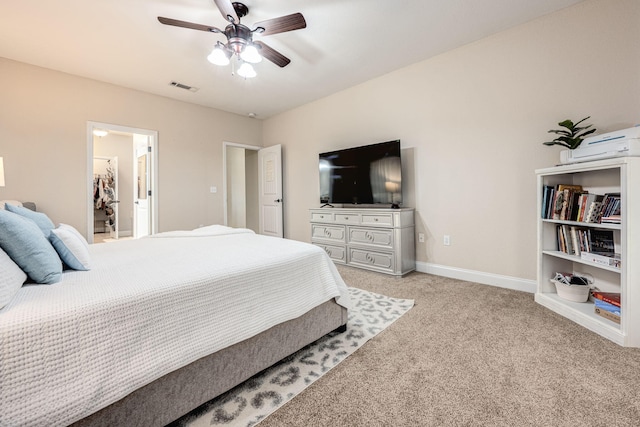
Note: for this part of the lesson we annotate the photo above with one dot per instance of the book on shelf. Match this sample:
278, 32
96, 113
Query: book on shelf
560, 200
612, 219
565, 200
548, 192
607, 315
610, 206
602, 241
609, 297
572, 240
575, 241
606, 306
593, 212
611, 260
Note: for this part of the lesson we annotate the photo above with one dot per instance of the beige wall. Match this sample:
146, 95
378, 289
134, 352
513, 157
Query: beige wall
472, 122
43, 122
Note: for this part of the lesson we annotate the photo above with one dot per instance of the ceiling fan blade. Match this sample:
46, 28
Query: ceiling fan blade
295, 21
191, 25
272, 55
227, 10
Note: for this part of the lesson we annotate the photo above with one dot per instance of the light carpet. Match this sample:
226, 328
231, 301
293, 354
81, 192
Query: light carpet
256, 398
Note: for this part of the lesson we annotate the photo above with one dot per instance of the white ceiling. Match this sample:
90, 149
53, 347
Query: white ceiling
346, 42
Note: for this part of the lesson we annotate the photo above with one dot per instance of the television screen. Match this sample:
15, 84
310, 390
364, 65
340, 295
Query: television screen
369, 174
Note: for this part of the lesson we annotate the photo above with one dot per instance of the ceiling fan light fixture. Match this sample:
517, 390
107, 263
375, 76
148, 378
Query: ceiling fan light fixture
218, 56
246, 71
240, 37
250, 54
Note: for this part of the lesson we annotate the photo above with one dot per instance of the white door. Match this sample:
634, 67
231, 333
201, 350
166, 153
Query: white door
270, 191
141, 191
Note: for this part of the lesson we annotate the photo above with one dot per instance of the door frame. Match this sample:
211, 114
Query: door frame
91, 126
226, 144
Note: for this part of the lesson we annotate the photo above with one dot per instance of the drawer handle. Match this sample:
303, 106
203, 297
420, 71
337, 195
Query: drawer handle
368, 236
346, 218
370, 258
375, 219
328, 251
327, 233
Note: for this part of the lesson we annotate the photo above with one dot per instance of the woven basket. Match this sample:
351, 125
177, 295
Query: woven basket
575, 293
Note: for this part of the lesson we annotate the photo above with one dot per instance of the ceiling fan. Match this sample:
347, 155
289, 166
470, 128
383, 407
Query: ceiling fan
240, 37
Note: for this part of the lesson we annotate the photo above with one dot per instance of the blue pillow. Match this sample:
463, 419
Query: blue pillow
24, 242
42, 220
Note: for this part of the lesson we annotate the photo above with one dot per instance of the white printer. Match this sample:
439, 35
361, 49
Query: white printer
620, 143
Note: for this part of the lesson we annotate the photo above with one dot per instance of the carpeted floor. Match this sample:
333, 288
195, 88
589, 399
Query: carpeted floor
470, 354
250, 402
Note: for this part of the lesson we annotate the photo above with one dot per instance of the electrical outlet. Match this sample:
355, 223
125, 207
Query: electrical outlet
447, 240
213, 189
421, 237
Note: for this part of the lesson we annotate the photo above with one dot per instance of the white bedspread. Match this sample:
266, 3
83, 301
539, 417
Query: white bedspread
148, 307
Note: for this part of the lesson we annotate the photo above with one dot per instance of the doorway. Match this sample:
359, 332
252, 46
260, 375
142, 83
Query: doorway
131, 168
240, 182
252, 183
106, 224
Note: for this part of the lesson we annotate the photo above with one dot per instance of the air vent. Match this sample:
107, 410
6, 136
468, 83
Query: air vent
183, 86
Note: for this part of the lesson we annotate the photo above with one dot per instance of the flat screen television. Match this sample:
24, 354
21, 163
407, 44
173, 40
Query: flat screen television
370, 174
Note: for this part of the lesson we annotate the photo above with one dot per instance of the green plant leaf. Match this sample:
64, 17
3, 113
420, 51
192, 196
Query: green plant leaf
588, 117
566, 123
560, 131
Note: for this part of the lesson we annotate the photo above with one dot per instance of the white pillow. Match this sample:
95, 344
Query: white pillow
71, 246
11, 278
11, 202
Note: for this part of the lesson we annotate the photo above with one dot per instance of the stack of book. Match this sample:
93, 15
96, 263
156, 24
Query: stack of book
566, 202
607, 305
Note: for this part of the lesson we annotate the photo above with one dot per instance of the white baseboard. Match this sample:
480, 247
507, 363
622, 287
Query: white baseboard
498, 280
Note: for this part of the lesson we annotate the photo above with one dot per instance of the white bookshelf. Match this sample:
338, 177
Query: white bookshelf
604, 176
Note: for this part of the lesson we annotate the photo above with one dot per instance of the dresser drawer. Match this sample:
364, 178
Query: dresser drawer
338, 254
322, 217
375, 237
348, 218
371, 260
335, 233
377, 219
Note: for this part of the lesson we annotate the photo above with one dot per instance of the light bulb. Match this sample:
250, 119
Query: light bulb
250, 54
246, 71
218, 56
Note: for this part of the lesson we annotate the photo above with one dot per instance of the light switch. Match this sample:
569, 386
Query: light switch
214, 189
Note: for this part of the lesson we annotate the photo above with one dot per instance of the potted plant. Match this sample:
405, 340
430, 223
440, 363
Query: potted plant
572, 134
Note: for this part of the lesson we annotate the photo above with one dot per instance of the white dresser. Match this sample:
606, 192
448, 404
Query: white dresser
375, 239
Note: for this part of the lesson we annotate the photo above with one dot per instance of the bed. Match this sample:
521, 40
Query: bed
158, 326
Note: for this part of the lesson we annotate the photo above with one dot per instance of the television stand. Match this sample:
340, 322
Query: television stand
377, 239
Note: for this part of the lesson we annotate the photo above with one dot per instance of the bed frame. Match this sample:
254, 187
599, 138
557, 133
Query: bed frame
177, 393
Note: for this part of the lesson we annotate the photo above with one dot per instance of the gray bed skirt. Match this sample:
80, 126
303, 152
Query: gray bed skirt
179, 392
